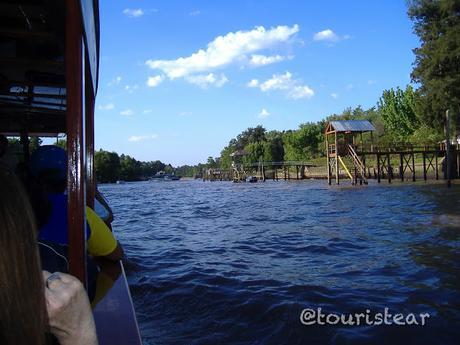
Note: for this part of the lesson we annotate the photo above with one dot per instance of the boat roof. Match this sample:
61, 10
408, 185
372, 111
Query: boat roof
32, 67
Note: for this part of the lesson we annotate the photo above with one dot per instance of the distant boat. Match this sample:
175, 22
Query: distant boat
159, 175
168, 177
251, 179
162, 176
120, 182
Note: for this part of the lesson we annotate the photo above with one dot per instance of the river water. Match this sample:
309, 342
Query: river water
225, 263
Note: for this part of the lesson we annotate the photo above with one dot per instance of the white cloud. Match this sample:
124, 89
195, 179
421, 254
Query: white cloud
131, 88
262, 60
299, 92
263, 114
350, 86
284, 82
195, 13
114, 81
225, 50
253, 83
204, 81
133, 12
185, 113
154, 81
137, 138
109, 106
334, 95
329, 36
147, 111
127, 112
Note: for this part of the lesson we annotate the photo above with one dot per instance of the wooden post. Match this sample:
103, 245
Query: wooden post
297, 172
328, 159
378, 167
336, 159
389, 168
448, 153
424, 165
288, 173
436, 170
89, 138
458, 162
401, 166
74, 50
413, 164
263, 172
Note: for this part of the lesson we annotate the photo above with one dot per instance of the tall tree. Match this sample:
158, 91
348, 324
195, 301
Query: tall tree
437, 63
107, 165
397, 108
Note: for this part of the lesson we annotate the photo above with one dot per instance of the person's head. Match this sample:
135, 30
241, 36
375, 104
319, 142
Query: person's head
23, 310
48, 165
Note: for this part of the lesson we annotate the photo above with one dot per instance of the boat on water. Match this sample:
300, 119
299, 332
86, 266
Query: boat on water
251, 179
120, 182
49, 53
162, 176
171, 178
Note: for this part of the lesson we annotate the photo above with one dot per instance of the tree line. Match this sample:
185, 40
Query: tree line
408, 115
111, 167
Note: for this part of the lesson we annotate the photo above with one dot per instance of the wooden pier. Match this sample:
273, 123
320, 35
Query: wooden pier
359, 162
287, 170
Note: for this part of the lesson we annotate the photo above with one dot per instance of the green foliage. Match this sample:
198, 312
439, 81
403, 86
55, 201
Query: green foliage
425, 135
273, 148
251, 135
254, 152
437, 63
34, 144
110, 167
225, 159
62, 143
211, 163
303, 144
397, 109
107, 166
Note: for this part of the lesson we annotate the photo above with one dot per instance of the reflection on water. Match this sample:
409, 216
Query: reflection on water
224, 263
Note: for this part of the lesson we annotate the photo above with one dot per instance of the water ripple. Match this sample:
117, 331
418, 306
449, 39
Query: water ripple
223, 263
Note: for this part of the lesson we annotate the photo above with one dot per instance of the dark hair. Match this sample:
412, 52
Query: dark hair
22, 297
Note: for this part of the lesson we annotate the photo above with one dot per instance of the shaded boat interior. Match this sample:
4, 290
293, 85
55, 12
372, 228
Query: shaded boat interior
49, 55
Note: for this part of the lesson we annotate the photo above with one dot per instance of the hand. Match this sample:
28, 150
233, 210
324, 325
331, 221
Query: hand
69, 314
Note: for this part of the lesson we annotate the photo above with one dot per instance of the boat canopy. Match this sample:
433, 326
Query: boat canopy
33, 88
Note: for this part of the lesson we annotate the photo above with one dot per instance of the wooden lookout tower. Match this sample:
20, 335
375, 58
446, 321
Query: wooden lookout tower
341, 139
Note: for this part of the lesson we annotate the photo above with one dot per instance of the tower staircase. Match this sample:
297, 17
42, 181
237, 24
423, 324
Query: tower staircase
353, 166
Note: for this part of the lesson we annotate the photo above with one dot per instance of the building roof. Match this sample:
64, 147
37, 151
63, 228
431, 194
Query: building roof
352, 126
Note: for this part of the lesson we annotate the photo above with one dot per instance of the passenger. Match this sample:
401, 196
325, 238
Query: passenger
48, 165
34, 301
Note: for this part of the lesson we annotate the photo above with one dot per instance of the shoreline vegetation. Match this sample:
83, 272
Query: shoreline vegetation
414, 115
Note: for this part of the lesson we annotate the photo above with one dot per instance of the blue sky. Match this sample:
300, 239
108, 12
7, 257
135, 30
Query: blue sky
179, 79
